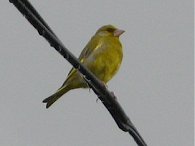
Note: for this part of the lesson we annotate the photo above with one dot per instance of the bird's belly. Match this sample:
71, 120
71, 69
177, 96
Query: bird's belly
105, 66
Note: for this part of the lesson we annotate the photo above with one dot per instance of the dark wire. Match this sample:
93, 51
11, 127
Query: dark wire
107, 98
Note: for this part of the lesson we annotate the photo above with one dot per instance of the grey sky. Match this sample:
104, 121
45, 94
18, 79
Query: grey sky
154, 84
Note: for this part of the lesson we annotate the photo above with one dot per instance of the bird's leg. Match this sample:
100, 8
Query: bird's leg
113, 95
104, 84
89, 88
84, 79
97, 99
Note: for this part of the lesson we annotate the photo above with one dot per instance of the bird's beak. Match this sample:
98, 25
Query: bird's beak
118, 32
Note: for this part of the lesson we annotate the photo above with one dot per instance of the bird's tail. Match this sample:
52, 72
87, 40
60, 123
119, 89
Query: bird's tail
54, 97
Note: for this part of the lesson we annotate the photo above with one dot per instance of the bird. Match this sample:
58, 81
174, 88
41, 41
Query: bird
102, 55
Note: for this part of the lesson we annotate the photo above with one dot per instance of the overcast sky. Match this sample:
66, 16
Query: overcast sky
154, 84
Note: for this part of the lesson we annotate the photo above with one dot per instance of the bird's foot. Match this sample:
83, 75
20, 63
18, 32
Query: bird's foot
113, 95
97, 100
104, 85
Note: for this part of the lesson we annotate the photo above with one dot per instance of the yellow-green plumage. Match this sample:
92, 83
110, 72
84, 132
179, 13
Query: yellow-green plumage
102, 56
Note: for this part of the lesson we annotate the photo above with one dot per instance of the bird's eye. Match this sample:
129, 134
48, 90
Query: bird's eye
110, 29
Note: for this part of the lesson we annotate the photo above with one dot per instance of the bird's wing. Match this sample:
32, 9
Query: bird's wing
92, 45
89, 48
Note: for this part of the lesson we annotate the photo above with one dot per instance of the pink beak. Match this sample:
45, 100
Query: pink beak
118, 32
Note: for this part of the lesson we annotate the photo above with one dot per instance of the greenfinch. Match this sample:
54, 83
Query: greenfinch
102, 56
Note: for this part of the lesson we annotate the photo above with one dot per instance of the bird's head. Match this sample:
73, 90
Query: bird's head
109, 30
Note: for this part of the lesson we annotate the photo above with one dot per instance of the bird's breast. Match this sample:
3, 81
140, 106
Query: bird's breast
105, 61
